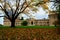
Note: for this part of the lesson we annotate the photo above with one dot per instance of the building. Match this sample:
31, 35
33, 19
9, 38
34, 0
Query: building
8, 23
31, 22
52, 18
34, 22
41, 22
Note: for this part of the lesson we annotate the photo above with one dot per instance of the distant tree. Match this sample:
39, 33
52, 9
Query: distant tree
24, 23
22, 18
12, 8
1, 25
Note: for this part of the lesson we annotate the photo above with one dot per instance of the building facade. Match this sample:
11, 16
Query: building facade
41, 22
8, 23
52, 18
34, 22
31, 22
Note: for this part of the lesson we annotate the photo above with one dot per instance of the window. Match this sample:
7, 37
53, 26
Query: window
32, 22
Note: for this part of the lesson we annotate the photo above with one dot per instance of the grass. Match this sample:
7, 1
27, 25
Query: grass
29, 27
35, 27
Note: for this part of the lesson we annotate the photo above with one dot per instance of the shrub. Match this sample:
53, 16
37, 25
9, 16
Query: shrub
22, 18
24, 23
1, 25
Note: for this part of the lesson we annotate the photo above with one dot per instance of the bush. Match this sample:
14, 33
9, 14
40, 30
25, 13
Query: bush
24, 23
1, 25
22, 18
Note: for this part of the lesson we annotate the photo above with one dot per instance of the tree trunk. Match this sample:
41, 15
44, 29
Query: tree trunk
13, 23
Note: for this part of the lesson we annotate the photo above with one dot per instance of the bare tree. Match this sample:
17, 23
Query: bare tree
12, 13
12, 8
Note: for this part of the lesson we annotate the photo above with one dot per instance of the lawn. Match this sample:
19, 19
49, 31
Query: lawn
35, 27
29, 27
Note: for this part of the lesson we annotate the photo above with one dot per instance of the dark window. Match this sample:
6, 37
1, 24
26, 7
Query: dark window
32, 22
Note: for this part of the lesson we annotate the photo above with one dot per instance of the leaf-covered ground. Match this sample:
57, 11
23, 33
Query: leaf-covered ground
29, 34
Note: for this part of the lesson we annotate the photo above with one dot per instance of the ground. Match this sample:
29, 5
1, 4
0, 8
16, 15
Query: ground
30, 33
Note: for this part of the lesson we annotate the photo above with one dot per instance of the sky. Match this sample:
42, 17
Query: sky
1, 19
39, 15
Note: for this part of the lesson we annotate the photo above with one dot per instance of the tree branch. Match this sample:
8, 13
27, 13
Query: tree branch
21, 11
10, 7
5, 12
1, 7
22, 5
1, 16
17, 7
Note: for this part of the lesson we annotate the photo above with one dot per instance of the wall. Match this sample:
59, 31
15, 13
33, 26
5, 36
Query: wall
52, 18
33, 22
